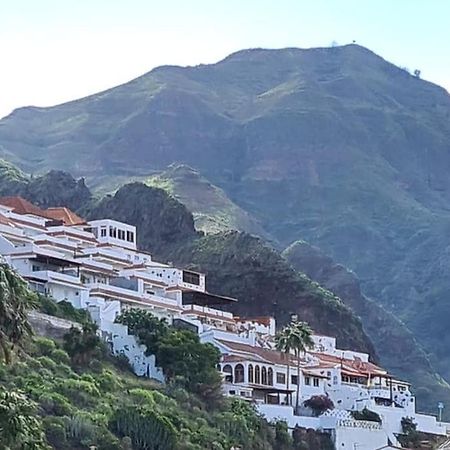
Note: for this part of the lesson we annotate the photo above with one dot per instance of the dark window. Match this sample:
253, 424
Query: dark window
250, 373
130, 236
316, 382
270, 376
294, 379
103, 232
257, 375
121, 235
307, 381
191, 277
228, 371
239, 373
281, 378
264, 375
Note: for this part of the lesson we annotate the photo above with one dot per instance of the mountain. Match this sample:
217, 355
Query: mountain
335, 146
212, 209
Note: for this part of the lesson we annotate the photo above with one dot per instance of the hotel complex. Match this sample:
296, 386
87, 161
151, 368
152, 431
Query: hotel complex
96, 266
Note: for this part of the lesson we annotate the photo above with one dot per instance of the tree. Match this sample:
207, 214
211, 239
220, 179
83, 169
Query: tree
83, 345
146, 327
15, 301
283, 345
319, 404
185, 360
298, 337
20, 428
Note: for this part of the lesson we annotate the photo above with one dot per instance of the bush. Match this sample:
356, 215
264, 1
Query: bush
44, 346
60, 356
366, 414
55, 432
81, 392
55, 404
47, 362
319, 404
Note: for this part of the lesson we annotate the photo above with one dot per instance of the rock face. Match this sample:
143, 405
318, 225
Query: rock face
396, 346
50, 326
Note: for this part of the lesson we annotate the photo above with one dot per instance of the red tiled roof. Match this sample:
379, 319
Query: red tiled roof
22, 206
65, 215
356, 366
271, 356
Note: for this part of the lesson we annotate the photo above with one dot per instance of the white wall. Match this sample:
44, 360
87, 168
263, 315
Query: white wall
357, 437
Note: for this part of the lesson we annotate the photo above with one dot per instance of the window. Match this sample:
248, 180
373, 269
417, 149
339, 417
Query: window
264, 375
294, 379
35, 268
121, 235
307, 381
191, 277
270, 376
239, 373
281, 378
103, 232
228, 371
232, 392
316, 382
250, 373
257, 375
130, 236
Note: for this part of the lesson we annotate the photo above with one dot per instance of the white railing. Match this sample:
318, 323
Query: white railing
51, 275
205, 310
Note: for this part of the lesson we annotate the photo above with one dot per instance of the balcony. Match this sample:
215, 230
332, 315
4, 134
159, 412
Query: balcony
132, 297
70, 278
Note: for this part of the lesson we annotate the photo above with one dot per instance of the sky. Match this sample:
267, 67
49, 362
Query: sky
54, 51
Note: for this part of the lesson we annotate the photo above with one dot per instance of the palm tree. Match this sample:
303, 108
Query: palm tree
283, 344
15, 301
296, 336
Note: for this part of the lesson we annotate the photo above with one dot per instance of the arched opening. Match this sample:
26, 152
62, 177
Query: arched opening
228, 371
257, 375
270, 376
250, 373
239, 373
264, 375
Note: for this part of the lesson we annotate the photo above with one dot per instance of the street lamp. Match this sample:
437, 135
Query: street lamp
440, 408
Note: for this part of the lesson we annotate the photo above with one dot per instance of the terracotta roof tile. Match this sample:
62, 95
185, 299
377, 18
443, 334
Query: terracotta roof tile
22, 206
65, 215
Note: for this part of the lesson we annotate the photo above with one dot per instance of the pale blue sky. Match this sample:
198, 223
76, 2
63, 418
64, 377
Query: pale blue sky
57, 50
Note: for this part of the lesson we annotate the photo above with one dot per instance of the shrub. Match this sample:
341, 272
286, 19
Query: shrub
80, 392
55, 431
55, 404
146, 428
47, 362
44, 346
319, 404
60, 356
366, 414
